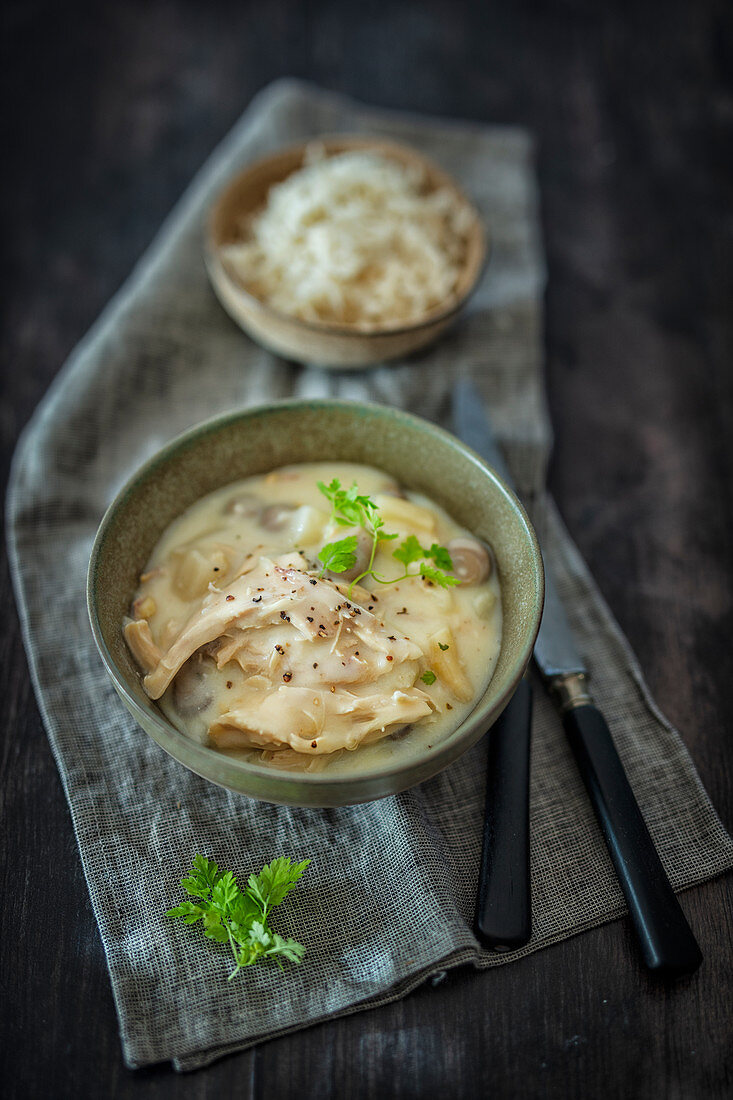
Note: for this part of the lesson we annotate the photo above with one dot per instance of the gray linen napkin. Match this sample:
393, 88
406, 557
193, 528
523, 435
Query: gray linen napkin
388, 899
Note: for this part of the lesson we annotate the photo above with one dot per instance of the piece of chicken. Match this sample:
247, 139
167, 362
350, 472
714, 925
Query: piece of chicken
322, 672
314, 720
276, 593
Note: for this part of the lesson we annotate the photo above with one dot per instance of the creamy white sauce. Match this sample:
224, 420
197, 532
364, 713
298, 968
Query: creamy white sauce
455, 632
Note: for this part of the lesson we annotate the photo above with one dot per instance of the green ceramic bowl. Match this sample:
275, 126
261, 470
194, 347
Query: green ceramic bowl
421, 456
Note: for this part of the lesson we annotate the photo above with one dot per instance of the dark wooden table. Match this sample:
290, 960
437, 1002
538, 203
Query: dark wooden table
108, 111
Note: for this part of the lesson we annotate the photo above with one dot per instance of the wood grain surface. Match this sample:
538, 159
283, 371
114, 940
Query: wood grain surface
109, 109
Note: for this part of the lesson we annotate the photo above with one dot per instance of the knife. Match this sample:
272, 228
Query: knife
667, 944
503, 919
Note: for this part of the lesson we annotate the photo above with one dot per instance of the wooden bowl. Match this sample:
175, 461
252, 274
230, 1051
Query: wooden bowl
329, 344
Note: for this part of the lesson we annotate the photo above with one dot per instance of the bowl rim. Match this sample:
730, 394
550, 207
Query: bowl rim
216, 268
452, 746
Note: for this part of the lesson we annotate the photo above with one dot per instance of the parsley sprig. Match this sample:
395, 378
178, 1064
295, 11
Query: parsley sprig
240, 918
350, 508
338, 556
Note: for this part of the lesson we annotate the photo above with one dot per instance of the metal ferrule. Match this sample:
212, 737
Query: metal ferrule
571, 691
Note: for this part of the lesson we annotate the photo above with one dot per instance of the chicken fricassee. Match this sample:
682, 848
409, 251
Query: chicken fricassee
297, 616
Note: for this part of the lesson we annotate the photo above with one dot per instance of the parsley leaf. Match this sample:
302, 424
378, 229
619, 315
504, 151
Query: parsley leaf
240, 918
437, 576
275, 881
409, 551
440, 556
443, 647
428, 676
338, 556
349, 507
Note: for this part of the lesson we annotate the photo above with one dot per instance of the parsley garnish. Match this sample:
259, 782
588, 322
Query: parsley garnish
437, 576
240, 918
440, 556
350, 508
339, 556
409, 551
428, 676
443, 647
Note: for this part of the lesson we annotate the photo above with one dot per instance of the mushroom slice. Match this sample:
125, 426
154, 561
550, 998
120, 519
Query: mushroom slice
243, 504
392, 489
471, 560
273, 517
192, 689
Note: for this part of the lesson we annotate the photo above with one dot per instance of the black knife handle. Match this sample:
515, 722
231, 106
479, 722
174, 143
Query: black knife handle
667, 943
503, 910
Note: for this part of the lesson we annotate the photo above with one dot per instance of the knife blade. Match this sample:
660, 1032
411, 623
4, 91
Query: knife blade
503, 918
667, 944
